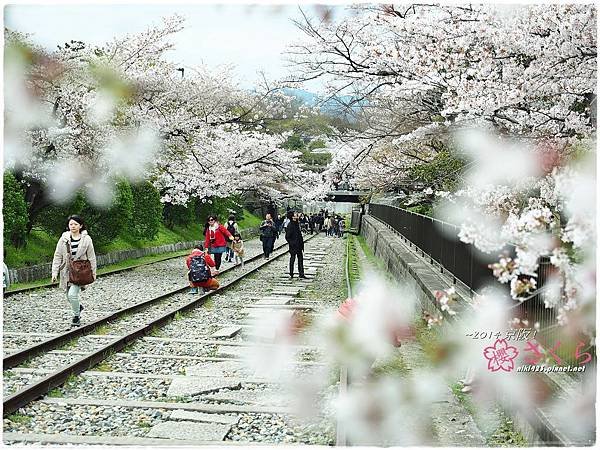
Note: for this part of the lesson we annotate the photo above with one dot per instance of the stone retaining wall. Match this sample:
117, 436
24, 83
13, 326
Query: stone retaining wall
401, 261
40, 271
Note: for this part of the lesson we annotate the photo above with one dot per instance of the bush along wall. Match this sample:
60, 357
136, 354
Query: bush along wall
147, 211
105, 224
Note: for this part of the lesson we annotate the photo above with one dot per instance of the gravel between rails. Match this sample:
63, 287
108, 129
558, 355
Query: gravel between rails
222, 309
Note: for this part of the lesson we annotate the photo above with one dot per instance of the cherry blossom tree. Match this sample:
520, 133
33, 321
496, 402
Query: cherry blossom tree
412, 69
123, 110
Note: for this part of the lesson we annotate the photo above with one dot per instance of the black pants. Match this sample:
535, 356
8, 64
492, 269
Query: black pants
293, 255
217, 257
268, 243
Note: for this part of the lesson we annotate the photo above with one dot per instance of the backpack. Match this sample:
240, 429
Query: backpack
199, 271
266, 230
231, 228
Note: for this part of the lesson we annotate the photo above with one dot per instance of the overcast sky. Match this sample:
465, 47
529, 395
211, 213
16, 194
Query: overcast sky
251, 38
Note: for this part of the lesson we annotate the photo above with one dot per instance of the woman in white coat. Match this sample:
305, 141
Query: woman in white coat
78, 243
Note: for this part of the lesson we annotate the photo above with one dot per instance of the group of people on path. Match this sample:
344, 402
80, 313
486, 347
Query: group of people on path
219, 239
75, 246
205, 261
332, 223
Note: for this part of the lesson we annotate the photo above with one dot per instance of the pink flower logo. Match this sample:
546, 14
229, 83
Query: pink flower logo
500, 356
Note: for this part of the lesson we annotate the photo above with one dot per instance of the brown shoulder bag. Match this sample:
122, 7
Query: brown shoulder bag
80, 270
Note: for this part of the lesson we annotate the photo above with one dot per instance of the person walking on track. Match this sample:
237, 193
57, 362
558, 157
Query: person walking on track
238, 249
268, 233
73, 246
293, 236
327, 225
233, 228
215, 239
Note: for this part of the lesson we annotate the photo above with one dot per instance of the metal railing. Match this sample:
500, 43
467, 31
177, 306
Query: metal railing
439, 241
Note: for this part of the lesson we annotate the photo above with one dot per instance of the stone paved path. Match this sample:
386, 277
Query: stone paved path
452, 424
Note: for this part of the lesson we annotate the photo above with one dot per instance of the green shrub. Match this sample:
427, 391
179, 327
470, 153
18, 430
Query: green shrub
105, 224
14, 211
294, 142
442, 173
318, 159
425, 209
317, 143
147, 210
177, 215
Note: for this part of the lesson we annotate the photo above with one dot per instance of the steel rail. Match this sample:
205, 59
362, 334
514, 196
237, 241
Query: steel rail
38, 389
19, 357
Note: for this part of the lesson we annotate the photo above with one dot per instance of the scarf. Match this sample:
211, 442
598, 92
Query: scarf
212, 229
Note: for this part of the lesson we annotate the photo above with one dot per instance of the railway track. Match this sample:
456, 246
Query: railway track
180, 376
151, 315
14, 356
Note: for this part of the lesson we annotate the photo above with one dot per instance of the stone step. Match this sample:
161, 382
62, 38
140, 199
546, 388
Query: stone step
227, 332
191, 416
232, 352
278, 307
287, 292
259, 333
268, 313
251, 397
287, 281
273, 297
63, 438
453, 424
217, 369
188, 386
166, 405
196, 431
273, 301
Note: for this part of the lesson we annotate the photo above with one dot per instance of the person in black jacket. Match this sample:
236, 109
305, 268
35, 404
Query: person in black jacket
268, 234
293, 236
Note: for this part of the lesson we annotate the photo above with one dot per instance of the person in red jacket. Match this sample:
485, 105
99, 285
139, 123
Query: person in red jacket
215, 239
211, 283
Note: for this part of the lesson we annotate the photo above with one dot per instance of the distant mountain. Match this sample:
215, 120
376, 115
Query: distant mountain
331, 106
308, 98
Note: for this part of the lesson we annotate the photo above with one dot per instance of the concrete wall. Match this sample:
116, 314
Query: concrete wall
406, 264
40, 271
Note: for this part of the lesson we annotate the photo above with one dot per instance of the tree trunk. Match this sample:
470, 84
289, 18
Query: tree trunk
36, 198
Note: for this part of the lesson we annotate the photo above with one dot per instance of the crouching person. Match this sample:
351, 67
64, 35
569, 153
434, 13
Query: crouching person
201, 271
